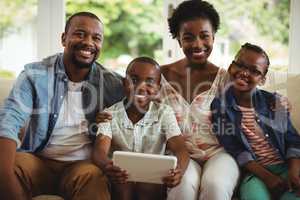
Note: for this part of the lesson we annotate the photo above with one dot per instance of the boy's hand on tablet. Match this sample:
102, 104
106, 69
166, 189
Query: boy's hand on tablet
174, 178
115, 173
103, 117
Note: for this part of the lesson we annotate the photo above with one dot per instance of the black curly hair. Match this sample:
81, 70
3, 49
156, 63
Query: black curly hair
192, 9
257, 49
81, 14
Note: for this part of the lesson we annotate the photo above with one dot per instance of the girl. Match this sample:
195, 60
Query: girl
263, 142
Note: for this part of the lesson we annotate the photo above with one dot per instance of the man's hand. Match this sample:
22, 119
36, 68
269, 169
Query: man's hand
173, 179
115, 174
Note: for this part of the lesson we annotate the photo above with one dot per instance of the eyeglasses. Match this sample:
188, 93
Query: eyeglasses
252, 71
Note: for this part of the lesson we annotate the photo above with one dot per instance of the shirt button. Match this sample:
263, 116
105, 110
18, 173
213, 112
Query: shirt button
267, 135
55, 115
258, 120
61, 96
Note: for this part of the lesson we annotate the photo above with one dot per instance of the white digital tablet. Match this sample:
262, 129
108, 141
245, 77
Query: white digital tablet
147, 168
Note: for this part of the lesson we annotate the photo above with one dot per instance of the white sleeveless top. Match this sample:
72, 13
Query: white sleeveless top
195, 119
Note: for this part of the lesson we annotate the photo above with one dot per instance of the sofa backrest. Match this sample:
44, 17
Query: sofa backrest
287, 85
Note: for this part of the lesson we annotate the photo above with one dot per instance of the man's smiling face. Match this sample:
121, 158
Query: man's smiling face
83, 41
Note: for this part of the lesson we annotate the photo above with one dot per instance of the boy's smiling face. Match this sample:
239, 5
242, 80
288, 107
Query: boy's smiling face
142, 84
248, 70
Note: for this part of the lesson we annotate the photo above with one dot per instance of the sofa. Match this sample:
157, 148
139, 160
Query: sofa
287, 85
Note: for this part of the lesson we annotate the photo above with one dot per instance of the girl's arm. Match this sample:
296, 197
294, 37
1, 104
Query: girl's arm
275, 183
293, 174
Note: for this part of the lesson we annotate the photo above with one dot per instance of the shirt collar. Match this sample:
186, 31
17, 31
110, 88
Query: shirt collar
60, 70
150, 117
258, 99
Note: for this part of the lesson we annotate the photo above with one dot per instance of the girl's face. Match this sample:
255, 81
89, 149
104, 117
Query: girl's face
196, 38
248, 70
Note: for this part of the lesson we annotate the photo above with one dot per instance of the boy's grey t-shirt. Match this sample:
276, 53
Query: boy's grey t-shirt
148, 135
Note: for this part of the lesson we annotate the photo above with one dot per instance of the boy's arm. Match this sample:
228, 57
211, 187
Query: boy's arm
10, 187
177, 146
100, 151
175, 143
99, 156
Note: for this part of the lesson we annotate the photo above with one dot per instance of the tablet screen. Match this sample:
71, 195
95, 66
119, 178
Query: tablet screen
147, 168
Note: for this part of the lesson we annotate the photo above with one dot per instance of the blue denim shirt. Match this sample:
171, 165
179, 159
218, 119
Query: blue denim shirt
276, 126
37, 95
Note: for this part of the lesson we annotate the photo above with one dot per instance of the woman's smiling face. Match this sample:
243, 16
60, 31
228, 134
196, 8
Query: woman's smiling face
196, 38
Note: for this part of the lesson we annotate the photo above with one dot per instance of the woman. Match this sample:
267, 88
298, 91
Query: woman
189, 85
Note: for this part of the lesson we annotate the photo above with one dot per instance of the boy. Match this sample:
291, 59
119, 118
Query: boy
263, 142
140, 125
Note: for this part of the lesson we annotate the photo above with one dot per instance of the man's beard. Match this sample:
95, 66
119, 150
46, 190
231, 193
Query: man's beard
79, 64
82, 65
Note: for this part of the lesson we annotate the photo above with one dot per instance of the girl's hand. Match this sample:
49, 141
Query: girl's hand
293, 177
115, 173
276, 185
174, 178
274, 181
103, 117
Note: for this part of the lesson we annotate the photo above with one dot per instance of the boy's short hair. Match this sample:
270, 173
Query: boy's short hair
193, 9
257, 49
81, 14
144, 59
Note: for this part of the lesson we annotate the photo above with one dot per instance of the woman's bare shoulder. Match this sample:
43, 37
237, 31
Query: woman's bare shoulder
172, 68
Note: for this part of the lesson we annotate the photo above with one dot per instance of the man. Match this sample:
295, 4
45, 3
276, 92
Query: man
56, 100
